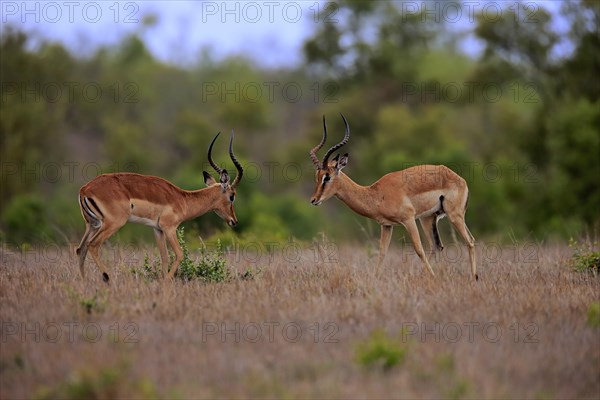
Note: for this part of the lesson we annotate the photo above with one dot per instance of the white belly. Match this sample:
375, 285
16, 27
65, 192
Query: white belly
141, 220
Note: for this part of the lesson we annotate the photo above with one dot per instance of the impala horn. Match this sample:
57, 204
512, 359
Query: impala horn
210, 160
339, 145
313, 152
238, 166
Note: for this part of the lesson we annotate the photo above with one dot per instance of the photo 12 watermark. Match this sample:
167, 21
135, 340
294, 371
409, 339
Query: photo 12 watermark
60, 172
71, 12
269, 332
270, 91
68, 332
70, 92
472, 332
453, 12
470, 92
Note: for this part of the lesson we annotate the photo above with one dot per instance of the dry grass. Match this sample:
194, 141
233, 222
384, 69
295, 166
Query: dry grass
520, 332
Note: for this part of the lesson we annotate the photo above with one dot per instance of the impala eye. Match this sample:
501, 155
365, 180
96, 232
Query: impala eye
326, 178
232, 198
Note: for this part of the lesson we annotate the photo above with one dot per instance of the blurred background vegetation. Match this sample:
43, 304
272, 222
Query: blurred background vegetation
520, 122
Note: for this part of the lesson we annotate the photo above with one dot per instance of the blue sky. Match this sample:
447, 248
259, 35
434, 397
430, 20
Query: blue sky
269, 32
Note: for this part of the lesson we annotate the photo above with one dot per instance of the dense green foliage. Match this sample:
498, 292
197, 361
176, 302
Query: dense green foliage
584, 258
519, 123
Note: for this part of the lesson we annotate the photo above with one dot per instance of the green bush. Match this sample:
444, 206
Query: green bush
584, 258
150, 270
96, 303
593, 315
25, 219
210, 267
380, 350
99, 384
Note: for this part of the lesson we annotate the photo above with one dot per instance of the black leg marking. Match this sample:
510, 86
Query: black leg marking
436, 235
105, 277
96, 206
476, 277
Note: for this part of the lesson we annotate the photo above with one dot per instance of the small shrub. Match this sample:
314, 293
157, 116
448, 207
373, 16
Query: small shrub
447, 379
92, 304
210, 267
95, 303
380, 350
250, 274
105, 383
150, 270
593, 315
458, 390
584, 258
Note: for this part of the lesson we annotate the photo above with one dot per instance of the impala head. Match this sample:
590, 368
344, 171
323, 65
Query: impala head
327, 175
224, 206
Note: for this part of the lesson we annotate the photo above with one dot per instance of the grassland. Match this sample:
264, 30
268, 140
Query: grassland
310, 324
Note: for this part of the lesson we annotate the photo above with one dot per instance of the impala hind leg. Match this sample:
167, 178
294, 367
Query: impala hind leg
432, 236
413, 231
105, 231
426, 224
384, 242
458, 220
81, 251
91, 230
161, 242
171, 235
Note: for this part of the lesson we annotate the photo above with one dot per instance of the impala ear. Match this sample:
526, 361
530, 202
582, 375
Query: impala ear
224, 179
342, 162
208, 179
333, 162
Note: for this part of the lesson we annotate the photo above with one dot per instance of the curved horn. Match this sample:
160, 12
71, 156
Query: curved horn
313, 152
210, 160
238, 166
340, 144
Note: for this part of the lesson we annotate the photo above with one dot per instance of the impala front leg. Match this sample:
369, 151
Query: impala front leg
384, 242
413, 232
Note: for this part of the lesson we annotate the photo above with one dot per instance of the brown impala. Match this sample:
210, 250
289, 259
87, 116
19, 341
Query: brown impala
424, 192
109, 201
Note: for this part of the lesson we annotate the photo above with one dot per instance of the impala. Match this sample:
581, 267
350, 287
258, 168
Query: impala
424, 192
109, 201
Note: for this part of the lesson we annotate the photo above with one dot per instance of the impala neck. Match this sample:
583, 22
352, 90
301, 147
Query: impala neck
201, 201
359, 198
